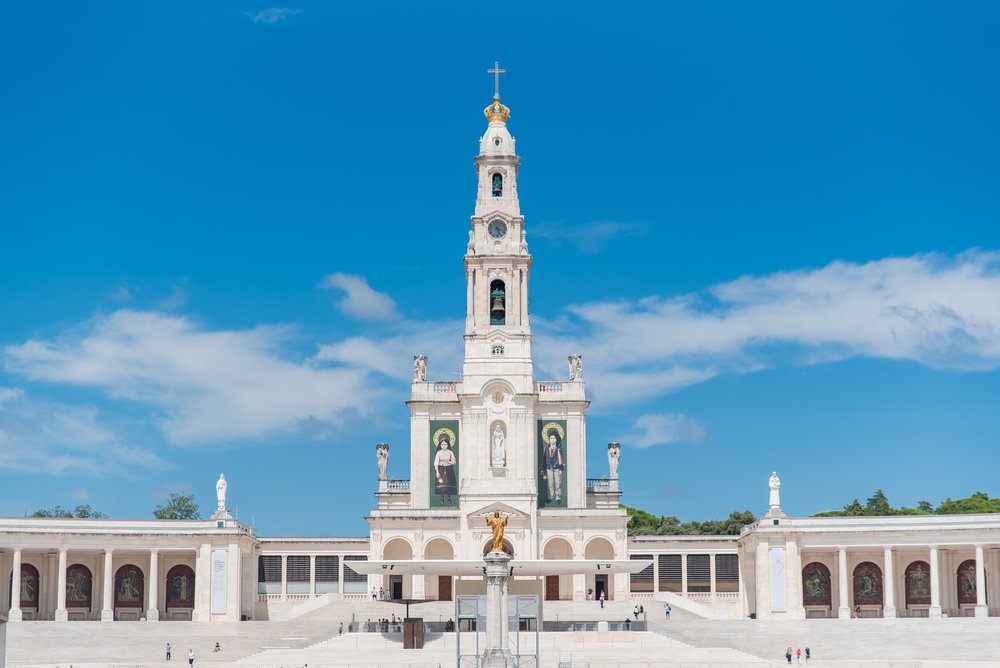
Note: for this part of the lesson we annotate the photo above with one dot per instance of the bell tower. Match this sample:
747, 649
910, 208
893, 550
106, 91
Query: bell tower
497, 263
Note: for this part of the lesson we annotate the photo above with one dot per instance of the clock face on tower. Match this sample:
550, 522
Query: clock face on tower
497, 229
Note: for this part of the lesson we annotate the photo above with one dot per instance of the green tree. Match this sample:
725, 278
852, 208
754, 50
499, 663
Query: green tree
83, 511
925, 507
178, 507
854, 509
642, 523
878, 504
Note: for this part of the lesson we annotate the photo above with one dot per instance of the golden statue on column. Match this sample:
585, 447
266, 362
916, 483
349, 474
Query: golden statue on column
497, 523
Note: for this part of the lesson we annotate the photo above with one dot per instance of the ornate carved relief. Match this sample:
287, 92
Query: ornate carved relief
578, 534
620, 535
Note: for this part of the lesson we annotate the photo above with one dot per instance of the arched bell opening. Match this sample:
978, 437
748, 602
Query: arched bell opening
497, 185
498, 303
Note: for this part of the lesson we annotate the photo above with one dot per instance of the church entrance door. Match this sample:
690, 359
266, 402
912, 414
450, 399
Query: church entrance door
551, 587
444, 587
396, 586
601, 584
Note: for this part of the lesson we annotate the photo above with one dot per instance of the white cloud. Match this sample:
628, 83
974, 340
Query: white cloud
42, 436
360, 301
937, 310
9, 394
392, 355
590, 237
203, 385
663, 428
273, 15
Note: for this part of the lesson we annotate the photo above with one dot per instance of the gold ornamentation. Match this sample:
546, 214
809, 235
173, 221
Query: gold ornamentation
557, 427
451, 437
497, 111
498, 397
497, 523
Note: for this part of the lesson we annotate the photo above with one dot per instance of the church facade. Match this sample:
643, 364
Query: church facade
502, 441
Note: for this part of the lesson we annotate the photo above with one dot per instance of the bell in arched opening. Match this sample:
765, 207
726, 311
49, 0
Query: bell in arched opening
497, 185
498, 303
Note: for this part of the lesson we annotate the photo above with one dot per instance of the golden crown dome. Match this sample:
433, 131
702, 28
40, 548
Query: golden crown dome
497, 111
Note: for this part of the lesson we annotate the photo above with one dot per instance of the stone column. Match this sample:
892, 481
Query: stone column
844, 607
153, 613
684, 574
656, 574
935, 610
284, 577
469, 295
340, 576
108, 609
888, 585
15, 615
762, 582
496, 654
312, 576
711, 576
981, 609
61, 614
202, 584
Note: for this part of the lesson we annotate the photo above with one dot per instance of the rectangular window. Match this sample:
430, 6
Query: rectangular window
354, 583
327, 574
727, 572
269, 574
643, 580
298, 574
698, 573
670, 572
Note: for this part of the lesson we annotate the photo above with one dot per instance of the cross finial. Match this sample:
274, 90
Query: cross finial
496, 72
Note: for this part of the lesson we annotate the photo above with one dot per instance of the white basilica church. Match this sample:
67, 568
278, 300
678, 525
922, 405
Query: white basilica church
499, 440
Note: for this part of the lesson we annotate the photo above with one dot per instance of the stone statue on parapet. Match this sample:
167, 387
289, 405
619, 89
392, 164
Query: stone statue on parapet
382, 457
220, 493
775, 484
497, 523
419, 368
575, 367
614, 454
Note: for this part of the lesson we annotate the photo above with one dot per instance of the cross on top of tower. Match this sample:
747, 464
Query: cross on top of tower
496, 72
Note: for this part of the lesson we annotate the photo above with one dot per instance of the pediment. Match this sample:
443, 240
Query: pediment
510, 511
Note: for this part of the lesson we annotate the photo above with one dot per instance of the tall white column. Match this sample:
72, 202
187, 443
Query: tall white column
684, 574
153, 584
981, 609
15, 614
284, 577
108, 611
888, 585
340, 575
61, 614
312, 575
711, 575
844, 609
935, 610
469, 295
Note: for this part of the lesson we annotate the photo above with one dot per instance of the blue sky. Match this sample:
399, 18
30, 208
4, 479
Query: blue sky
770, 228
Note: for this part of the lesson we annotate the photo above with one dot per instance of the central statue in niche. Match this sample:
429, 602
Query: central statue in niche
499, 454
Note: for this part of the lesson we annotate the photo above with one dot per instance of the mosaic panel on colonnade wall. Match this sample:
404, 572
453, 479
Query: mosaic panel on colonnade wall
816, 584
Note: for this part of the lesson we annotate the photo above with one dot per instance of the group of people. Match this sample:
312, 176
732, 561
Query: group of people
383, 625
380, 595
798, 655
217, 648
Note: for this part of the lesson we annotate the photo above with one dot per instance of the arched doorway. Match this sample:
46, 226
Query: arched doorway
180, 592
30, 583
558, 586
79, 587
917, 584
817, 590
600, 548
130, 589
397, 586
965, 581
442, 588
868, 587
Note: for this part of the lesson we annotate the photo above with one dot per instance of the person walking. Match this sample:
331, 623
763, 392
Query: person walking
788, 654
168, 651
601, 599
808, 655
798, 655
374, 594
635, 611
340, 630
190, 657
667, 609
